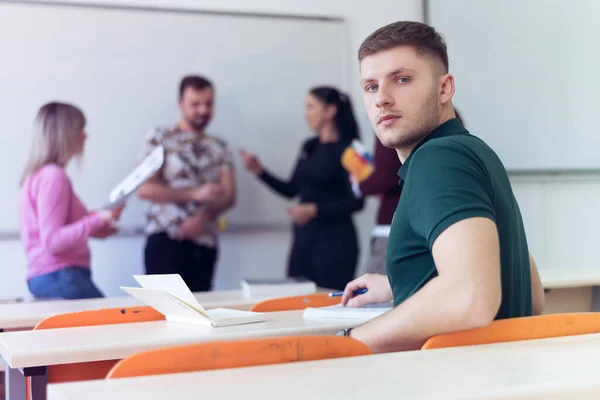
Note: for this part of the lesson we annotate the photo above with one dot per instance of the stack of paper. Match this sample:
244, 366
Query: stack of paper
169, 295
144, 171
272, 288
364, 313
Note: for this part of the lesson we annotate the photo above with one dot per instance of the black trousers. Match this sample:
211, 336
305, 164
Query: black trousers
327, 254
195, 263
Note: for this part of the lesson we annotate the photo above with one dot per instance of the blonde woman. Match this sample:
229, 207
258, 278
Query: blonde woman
55, 225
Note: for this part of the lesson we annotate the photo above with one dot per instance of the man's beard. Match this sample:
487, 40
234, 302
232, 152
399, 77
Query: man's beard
199, 125
425, 121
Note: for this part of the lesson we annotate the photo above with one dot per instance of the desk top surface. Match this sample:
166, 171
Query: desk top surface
539, 369
563, 278
29, 314
109, 342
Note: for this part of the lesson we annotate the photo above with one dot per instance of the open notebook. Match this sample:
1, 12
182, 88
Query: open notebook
365, 313
169, 295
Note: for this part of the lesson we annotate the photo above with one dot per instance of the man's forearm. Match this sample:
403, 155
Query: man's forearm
216, 208
439, 307
161, 193
212, 210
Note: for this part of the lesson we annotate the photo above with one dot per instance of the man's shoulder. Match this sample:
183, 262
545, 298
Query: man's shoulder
450, 157
162, 132
450, 149
464, 140
214, 144
215, 141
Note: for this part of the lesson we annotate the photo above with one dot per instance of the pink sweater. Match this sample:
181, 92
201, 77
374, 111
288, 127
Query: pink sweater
55, 225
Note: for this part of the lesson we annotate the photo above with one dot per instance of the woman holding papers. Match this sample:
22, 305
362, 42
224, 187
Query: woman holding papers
325, 247
55, 225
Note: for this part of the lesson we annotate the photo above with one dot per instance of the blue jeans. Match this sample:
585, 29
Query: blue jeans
67, 283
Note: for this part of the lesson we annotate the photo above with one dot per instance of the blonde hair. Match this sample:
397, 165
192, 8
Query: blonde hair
56, 138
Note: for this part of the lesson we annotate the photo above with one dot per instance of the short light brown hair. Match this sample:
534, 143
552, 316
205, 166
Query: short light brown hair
422, 37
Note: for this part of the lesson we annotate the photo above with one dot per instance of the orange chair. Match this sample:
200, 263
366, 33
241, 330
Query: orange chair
108, 316
236, 354
296, 303
525, 328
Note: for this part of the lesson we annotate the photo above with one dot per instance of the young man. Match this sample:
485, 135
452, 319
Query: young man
457, 256
195, 185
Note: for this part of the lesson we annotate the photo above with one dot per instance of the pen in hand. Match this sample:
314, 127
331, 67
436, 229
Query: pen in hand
356, 293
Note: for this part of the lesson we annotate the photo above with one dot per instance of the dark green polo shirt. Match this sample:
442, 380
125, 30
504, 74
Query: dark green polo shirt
450, 176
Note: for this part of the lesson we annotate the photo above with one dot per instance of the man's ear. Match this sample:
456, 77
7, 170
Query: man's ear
446, 84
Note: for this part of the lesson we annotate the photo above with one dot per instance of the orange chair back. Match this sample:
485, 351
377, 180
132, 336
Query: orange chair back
296, 303
108, 316
235, 354
525, 328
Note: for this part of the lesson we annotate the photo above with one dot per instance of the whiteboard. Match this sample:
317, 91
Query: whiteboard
527, 77
123, 66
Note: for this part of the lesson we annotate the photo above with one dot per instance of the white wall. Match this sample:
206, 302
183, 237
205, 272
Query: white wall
253, 253
542, 43
561, 216
362, 19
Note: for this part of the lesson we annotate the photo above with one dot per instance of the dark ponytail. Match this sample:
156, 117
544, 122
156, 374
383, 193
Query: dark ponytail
344, 118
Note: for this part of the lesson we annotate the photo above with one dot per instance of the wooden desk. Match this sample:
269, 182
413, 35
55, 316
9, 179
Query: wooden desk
571, 289
549, 369
28, 350
28, 314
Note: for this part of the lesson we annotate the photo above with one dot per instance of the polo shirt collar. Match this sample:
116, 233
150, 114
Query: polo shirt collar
451, 127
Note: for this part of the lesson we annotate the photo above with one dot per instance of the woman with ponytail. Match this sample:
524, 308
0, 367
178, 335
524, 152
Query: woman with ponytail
325, 247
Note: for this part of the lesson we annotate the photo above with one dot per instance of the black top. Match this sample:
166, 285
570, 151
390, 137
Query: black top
320, 178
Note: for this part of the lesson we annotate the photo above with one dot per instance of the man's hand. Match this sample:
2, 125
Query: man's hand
208, 192
157, 191
379, 290
303, 213
192, 227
